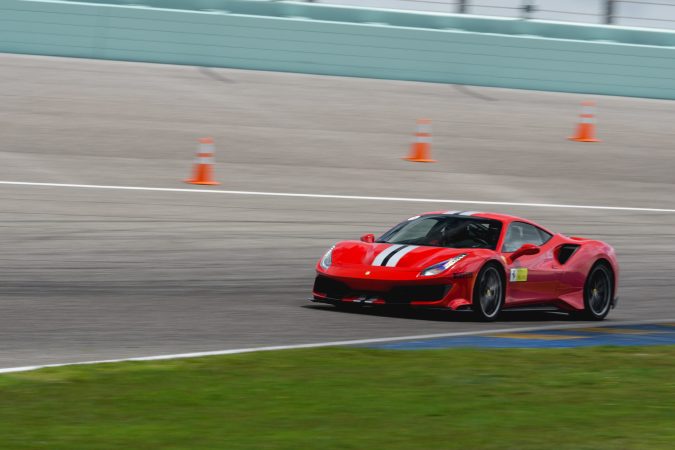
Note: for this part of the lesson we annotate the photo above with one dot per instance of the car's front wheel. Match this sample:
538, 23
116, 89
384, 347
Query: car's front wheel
488, 293
598, 292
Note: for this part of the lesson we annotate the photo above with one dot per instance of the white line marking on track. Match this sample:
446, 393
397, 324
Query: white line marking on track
336, 196
334, 344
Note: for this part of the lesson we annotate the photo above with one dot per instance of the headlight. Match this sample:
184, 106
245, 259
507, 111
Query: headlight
327, 259
442, 267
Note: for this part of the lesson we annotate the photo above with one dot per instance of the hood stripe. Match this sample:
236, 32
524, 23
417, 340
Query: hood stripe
384, 253
386, 260
394, 258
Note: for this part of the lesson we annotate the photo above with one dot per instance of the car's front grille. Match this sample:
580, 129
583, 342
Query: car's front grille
397, 295
405, 294
331, 288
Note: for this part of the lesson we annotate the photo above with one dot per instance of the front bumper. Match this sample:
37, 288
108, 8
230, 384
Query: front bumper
437, 293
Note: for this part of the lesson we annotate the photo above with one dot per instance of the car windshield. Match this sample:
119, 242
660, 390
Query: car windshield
446, 231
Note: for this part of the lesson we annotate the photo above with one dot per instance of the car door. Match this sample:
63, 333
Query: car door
530, 278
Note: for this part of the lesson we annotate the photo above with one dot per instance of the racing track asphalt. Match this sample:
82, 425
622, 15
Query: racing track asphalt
97, 274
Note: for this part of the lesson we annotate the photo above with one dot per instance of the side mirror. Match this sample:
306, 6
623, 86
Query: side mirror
368, 238
526, 249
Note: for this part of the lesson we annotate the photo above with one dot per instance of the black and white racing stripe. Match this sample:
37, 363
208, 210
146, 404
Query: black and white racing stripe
390, 256
379, 259
393, 259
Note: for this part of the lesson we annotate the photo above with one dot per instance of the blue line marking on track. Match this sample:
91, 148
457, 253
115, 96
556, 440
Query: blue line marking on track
592, 335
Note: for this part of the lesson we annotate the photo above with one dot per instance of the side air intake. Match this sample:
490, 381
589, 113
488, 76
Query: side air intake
565, 252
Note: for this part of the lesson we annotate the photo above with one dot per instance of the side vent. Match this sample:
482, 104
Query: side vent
565, 252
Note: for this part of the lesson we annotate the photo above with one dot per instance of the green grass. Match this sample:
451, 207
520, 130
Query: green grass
347, 398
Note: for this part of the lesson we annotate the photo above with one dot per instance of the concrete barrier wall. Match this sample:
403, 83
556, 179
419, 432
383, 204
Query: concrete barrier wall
465, 22
298, 44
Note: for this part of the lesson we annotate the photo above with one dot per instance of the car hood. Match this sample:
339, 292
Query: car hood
356, 253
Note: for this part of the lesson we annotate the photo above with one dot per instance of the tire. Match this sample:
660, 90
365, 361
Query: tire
488, 293
598, 292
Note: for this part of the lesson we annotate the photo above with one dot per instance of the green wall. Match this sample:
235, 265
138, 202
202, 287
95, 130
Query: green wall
270, 36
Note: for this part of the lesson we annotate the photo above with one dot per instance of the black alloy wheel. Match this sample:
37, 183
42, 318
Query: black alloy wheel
488, 293
598, 292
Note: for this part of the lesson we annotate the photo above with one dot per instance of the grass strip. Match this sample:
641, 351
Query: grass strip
352, 398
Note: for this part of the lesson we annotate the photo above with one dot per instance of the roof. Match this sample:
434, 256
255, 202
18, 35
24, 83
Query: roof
481, 214
486, 215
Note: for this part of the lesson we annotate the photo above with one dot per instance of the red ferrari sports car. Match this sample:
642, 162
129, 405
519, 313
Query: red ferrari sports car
470, 260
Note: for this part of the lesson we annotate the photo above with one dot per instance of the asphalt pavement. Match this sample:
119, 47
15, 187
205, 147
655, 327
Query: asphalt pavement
91, 274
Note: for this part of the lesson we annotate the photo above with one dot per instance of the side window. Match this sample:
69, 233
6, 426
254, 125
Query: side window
544, 236
520, 233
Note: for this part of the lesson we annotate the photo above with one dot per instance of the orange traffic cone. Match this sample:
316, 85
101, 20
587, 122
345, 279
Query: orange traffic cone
203, 169
586, 126
420, 150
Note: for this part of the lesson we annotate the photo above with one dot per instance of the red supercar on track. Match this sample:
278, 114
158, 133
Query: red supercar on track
469, 260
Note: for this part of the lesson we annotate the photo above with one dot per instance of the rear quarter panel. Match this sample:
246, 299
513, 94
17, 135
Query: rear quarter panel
576, 269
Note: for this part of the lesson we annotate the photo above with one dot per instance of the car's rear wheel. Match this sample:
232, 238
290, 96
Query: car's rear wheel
488, 293
598, 292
